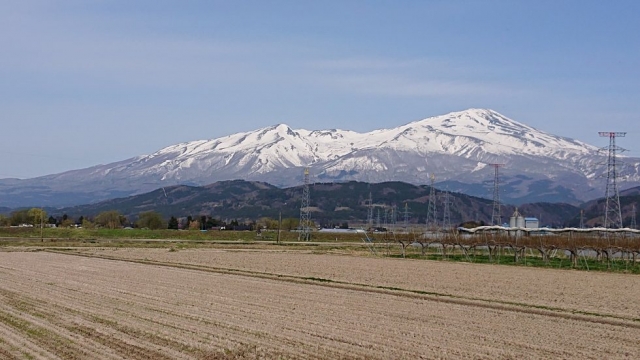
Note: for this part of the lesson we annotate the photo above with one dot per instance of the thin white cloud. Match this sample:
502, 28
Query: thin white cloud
409, 78
357, 64
400, 86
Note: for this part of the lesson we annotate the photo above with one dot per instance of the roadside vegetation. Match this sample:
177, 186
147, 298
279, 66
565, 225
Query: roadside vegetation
337, 243
32, 227
49, 235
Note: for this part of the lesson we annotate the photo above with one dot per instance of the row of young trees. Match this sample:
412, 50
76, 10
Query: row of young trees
109, 219
150, 220
34, 217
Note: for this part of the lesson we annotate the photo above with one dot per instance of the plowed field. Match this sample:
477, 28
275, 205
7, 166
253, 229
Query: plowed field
156, 304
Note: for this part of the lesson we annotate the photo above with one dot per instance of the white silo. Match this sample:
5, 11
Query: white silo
516, 220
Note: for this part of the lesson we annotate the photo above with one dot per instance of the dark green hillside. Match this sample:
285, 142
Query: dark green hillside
331, 203
550, 214
594, 210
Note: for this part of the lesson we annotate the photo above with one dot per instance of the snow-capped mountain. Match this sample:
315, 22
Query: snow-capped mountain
457, 147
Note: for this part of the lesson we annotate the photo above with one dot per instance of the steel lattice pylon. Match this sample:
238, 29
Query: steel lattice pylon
612, 211
406, 217
581, 219
393, 217
633, 224
432, 216
496, 214
370, 212
305, 219
446, 218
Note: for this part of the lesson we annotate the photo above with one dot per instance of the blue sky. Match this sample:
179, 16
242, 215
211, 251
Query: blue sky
92, 82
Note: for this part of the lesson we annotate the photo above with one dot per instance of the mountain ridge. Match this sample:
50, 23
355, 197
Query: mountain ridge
457, 147
335, 203
332, 203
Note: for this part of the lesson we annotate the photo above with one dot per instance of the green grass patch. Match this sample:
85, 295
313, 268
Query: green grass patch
10, 236
558, 262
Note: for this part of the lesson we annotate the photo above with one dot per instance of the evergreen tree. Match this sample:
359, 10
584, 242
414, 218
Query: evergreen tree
173, 223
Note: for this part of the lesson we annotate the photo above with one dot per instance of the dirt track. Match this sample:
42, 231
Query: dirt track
65, 306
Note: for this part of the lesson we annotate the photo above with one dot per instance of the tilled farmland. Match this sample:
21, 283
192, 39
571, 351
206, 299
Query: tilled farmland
211, 304
581, 291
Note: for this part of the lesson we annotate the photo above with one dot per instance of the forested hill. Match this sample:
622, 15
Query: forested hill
331, 203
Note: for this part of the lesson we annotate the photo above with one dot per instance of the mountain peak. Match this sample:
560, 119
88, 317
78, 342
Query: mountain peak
282, 130
488, 115
479, 120
476, 112
457, 146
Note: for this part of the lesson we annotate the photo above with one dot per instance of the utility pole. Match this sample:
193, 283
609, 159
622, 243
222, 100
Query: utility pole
41, 225
279, 226
612, 211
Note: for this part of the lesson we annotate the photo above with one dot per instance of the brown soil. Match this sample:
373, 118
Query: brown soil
76, 307
581, 291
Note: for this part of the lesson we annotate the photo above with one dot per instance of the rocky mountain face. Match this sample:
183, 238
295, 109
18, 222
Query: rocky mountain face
458, 148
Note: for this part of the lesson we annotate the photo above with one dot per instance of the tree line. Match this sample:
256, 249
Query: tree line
153, 220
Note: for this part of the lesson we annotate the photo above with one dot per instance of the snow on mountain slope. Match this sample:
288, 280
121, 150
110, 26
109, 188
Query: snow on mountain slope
456, 147
468, 134
259, 151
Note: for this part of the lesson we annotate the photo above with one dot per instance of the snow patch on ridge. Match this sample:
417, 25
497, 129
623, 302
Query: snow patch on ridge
479, 135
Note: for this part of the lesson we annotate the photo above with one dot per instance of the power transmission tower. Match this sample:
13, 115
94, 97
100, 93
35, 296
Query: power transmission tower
432, 216
406, 217
370, 212
393, 217
305, 219
446, 218
386, 217
633, 217
612, 211
581, 219
378, 218
496, 214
